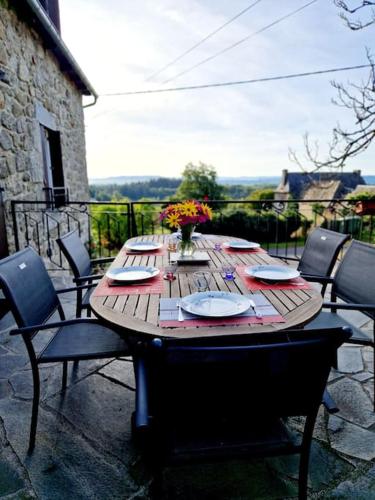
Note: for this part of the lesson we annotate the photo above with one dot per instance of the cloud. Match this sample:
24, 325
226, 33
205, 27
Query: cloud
243, 130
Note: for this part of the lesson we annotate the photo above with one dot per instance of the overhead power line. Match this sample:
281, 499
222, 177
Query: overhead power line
203, 40
226, 49
238, 82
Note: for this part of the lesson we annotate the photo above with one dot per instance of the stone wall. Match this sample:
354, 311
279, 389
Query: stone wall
34, 89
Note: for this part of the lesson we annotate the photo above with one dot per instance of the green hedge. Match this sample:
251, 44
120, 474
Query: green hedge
261, 227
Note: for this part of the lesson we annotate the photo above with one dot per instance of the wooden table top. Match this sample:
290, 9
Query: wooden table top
139, 314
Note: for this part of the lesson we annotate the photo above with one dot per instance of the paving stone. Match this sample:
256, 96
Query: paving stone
368, 356
369, 388
10, 364
226, 481
334, 375
10, 481
5, 389
361, 488
120, 370
102, 411
325, 466
362, 377
64, 463
350, 360
351, 439
353, 402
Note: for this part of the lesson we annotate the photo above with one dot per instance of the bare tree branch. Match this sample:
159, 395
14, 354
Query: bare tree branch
347, 12
357, 98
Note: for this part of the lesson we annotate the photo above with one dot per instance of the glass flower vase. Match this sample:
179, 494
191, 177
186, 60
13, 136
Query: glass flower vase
187, 246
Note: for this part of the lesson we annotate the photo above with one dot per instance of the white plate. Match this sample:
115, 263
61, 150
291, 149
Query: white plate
132, 273
242, 245
272, 273
194, 236
143, 246
215, 304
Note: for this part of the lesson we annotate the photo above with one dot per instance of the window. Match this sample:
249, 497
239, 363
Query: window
53, 175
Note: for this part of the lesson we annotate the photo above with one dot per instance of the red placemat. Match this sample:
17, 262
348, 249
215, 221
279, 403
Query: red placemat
254, 284
222, 321
160, 251
154, 285
245, 250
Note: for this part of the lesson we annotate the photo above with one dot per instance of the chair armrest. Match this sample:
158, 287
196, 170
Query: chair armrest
141, 394
317, 279
54, 324
90, 277
102, 260
284, 257
75, 288
349, 307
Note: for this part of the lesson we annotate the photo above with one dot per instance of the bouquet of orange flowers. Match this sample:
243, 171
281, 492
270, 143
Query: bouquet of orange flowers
188, 212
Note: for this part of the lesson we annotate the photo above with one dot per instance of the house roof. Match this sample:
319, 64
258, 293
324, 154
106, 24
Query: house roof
296, 183
326, 190
34, 14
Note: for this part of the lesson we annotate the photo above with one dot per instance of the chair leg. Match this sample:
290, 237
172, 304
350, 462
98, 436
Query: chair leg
64, 375
305, 456
79, 304
35, 406
329, 403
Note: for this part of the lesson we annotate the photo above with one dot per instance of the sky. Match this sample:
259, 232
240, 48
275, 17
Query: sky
244, 130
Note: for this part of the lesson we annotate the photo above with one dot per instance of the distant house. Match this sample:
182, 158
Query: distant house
42, 137
318, 185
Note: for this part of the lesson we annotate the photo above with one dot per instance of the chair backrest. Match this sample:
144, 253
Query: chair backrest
256, 378
75, 253
321, 251
28, 288
355, 277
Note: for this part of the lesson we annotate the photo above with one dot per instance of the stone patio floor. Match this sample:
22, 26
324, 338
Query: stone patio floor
84, 448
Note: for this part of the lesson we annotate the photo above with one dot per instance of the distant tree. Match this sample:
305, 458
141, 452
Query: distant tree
199, 182
260, 194
358, 98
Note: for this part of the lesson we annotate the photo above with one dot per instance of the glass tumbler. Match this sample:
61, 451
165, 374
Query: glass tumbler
202, 280
228, 269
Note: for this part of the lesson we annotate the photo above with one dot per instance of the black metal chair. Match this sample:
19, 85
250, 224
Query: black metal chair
354, 284
199, 399
82, 266
319, 254
33, 300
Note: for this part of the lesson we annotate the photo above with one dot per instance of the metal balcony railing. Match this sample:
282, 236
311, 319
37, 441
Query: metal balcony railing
278, 225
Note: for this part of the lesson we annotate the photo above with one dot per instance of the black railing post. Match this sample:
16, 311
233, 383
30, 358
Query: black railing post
134, 231
15, 226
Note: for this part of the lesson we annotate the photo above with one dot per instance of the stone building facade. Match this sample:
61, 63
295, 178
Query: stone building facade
42, 137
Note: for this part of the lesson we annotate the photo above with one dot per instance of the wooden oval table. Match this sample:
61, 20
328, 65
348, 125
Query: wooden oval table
138, 314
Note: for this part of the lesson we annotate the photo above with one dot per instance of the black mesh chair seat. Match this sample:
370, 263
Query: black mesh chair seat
82, 341
31, 297
332, 320
199, 399
82, 267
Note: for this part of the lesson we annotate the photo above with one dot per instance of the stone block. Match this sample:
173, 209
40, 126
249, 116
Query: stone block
8, 121
17, 110
3, 168
23, 71
3, 56
6, 142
